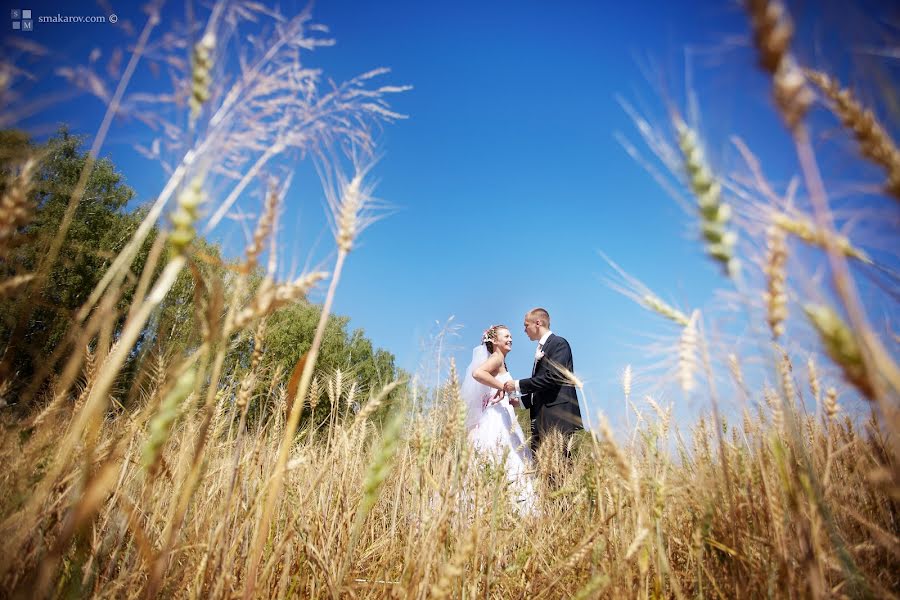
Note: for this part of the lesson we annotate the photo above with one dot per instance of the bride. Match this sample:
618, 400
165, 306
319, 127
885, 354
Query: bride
491, 422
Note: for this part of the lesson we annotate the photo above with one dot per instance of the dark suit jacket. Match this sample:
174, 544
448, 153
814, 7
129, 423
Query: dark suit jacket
552, 402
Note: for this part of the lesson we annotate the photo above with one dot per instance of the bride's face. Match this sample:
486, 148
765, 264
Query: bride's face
504, 340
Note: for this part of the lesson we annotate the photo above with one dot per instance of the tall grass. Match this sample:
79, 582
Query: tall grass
403, 512
178, 493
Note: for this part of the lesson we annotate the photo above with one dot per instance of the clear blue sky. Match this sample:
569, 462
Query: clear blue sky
507, 179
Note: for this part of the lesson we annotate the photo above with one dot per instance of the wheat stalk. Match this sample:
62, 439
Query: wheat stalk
841, 345
772, 34
162, 422
874, 141
775, 295
687, 353
804, 229
714, 214
16, 208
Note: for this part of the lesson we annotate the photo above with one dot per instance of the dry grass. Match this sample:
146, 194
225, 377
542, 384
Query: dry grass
371, 514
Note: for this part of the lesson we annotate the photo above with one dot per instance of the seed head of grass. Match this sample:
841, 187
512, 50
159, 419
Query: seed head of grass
831, 404
185, 215
162, 422
272, 297
15, 206
378, 470
201, 76
632, 288
841, 345
687, 353
874, 141
775, 269
715, 215
804, 229
734, 366
351, 205
812, 373
772, 35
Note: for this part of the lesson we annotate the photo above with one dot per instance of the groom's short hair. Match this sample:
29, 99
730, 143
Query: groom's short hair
540, 313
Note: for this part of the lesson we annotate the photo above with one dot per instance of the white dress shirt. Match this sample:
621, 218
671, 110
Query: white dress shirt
537, 353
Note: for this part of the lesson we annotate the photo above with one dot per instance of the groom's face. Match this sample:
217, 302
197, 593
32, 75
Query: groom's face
532, 329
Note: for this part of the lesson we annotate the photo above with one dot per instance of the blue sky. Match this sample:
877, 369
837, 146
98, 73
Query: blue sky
506, 178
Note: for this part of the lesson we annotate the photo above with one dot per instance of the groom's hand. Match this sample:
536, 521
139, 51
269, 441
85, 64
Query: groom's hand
509, 387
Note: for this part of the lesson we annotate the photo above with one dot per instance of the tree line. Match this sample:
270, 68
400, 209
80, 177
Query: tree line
36, 321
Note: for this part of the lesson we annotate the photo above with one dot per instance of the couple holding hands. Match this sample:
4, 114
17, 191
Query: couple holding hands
491, 393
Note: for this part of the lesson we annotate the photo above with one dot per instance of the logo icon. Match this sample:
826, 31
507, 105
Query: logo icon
21, 19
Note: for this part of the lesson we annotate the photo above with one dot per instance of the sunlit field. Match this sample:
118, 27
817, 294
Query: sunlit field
178, 423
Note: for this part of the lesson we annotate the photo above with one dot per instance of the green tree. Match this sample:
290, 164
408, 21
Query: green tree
101, 228
289, 335
32, 327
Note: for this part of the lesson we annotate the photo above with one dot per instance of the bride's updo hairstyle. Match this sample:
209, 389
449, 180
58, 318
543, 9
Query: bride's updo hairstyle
490, 336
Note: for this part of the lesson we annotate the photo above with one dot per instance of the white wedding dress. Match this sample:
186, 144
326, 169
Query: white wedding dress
497, 436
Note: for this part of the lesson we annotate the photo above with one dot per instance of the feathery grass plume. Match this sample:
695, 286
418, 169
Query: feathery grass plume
804, 229
186, 213
162, 421
15, 207
715, 215
874, 141
201, 77
775, 295
772, 34
841, 346
687, 353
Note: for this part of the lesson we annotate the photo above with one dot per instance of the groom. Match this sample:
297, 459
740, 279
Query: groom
552, 401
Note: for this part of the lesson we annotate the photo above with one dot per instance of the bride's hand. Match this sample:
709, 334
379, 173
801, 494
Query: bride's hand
498, 397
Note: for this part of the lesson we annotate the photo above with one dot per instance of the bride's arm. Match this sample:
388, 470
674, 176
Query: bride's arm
483, 373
